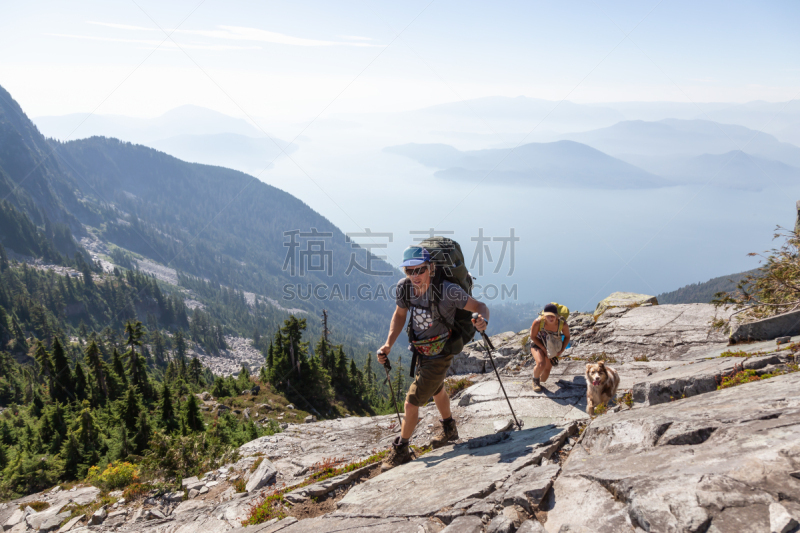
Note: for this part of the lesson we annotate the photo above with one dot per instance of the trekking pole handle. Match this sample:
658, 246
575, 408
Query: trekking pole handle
387, 365
475, 316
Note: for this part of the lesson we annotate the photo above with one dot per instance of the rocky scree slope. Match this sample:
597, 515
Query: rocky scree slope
714, 461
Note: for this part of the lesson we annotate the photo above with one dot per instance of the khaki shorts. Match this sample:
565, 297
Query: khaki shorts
429, 380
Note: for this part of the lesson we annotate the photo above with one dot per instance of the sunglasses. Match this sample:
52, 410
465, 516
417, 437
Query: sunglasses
416, 271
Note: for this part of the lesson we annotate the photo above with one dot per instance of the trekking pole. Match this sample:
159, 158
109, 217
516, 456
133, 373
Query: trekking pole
388, 367
489, 348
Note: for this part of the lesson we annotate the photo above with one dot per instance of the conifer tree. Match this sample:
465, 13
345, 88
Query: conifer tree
81, 385
119, 368
71, 455
196, 371
63, 385
167, 416
142, 437
192, 417
45, 364
130, 409
95, 363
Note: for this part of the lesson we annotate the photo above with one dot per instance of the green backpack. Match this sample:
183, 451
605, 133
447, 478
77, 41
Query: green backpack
446, 254
563, 316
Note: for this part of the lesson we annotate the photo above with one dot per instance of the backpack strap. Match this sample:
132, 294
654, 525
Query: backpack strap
560, 324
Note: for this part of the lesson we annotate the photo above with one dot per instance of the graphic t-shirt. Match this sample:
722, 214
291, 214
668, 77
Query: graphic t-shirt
453, 297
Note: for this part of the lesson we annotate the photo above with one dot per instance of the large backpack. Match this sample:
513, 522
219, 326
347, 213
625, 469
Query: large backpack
563, 316
446, 254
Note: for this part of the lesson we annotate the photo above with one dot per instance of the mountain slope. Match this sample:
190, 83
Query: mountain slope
703, 292
209, 222
560, 164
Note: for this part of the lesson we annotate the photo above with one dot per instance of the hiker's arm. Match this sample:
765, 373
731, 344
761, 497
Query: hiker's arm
474, 306
396, 326
565, 332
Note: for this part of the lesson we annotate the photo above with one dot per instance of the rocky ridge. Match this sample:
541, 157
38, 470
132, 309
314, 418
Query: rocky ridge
683, 456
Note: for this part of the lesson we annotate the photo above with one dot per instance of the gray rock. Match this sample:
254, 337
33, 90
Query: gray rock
684, 380
98, 517
503, 425
500, 524
265, 471
783, 340
694, 464
255, 390
71, 524
17, 517
531, 526
290, 406
154, 514
203, 489
53, 522
174, 497
529, 486
309, 419
464, 524
449, 515
787, 324
193, 494
446, 476
780, 521
659, 332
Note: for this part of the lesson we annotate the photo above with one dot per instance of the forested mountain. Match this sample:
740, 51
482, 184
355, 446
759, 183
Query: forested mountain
208, 223
97, 339
698, 293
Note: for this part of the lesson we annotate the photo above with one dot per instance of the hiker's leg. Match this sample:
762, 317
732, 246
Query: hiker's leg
443, 404
541, 361
546, 368
410, 421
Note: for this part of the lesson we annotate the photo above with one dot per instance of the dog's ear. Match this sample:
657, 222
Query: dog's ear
601, 364
588, 366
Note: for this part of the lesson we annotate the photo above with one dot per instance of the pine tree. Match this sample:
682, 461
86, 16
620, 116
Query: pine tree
81, 387
195, 371
119, 368
130, 409
123, 443
45, 364
167, 416
180, 346
192, 417
71, 455
95, 363
142, 437
159, 351
63, 385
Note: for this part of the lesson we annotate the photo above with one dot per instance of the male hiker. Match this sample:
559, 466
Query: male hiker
546, 342
430, 336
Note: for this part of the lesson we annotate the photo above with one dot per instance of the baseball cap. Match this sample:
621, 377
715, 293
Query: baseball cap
415, 255
550, 309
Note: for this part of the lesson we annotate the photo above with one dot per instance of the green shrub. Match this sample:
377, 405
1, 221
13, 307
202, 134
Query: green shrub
116, 476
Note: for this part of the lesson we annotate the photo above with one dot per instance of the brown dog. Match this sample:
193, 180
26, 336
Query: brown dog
602, 382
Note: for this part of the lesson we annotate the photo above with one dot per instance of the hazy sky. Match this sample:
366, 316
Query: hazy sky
295, 59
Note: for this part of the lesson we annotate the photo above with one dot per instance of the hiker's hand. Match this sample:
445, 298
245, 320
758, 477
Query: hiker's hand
479, 323
383, 353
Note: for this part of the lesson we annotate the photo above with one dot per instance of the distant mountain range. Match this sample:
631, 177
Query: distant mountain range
685, 138
562, 164
703, 292
191, 133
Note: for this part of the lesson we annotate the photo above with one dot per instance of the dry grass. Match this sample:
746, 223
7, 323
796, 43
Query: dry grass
454, 386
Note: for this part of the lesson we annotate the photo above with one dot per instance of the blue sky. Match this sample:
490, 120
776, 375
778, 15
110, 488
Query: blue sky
291, 59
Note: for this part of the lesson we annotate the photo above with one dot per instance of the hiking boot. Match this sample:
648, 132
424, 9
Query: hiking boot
447, 432
398, 455
537, 387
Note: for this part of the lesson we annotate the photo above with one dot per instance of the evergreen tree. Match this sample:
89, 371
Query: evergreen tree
195, 371
142, 437
95, 363
119, 368
129, 412
45, 365
81, 387
180, 346
159, 350
167, 416
123, 444
63, 385
399, 382
192, 417
71, 455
